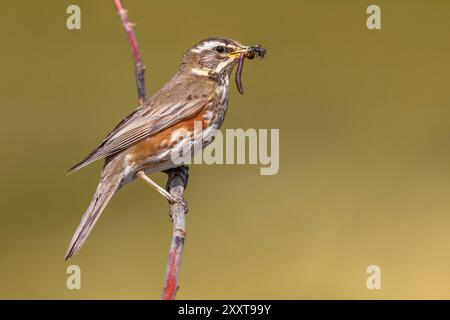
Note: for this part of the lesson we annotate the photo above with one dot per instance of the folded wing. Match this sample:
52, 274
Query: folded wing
145, 121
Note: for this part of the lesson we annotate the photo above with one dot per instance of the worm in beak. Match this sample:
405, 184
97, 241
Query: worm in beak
238, 77
251, 53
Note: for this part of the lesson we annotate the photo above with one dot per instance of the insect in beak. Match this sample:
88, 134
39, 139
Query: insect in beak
250, 53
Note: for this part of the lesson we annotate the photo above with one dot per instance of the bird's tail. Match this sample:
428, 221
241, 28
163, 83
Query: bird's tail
108, 185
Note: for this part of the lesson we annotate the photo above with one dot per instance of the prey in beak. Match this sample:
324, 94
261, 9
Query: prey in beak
249, 53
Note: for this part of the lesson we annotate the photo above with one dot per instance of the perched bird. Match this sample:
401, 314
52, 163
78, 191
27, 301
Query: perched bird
143, 142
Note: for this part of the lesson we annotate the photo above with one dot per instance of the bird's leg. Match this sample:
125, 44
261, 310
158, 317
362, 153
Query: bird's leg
158, 188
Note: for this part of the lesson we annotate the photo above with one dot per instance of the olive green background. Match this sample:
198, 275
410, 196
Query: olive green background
364, 119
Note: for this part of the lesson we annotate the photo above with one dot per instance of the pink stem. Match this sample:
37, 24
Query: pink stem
177, 182
139, 67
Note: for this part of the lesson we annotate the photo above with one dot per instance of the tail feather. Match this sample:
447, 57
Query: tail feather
108, 185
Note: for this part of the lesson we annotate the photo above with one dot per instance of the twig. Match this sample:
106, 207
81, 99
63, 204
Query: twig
176, 184
139, 66
177, 177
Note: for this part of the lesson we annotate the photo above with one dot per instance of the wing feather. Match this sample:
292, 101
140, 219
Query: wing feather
140, 124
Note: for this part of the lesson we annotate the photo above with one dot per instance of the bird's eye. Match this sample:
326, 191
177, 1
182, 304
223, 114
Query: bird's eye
219, 49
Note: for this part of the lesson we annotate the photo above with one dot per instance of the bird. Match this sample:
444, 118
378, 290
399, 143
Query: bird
143, 142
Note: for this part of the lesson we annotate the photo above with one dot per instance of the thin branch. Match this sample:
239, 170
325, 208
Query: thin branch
176, 184
177, 177
139, 66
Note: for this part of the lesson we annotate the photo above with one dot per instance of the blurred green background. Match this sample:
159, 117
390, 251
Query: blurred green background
364, 119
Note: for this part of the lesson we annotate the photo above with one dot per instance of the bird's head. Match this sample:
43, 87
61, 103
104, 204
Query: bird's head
217, 57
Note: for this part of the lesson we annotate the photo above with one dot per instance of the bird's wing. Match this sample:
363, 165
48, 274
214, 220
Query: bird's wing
144, 122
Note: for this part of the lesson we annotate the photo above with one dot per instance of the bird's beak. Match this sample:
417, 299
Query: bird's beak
245, 50
237, 53
249, 52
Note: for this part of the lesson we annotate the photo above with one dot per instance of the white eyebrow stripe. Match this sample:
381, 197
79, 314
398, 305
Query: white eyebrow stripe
209, 45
